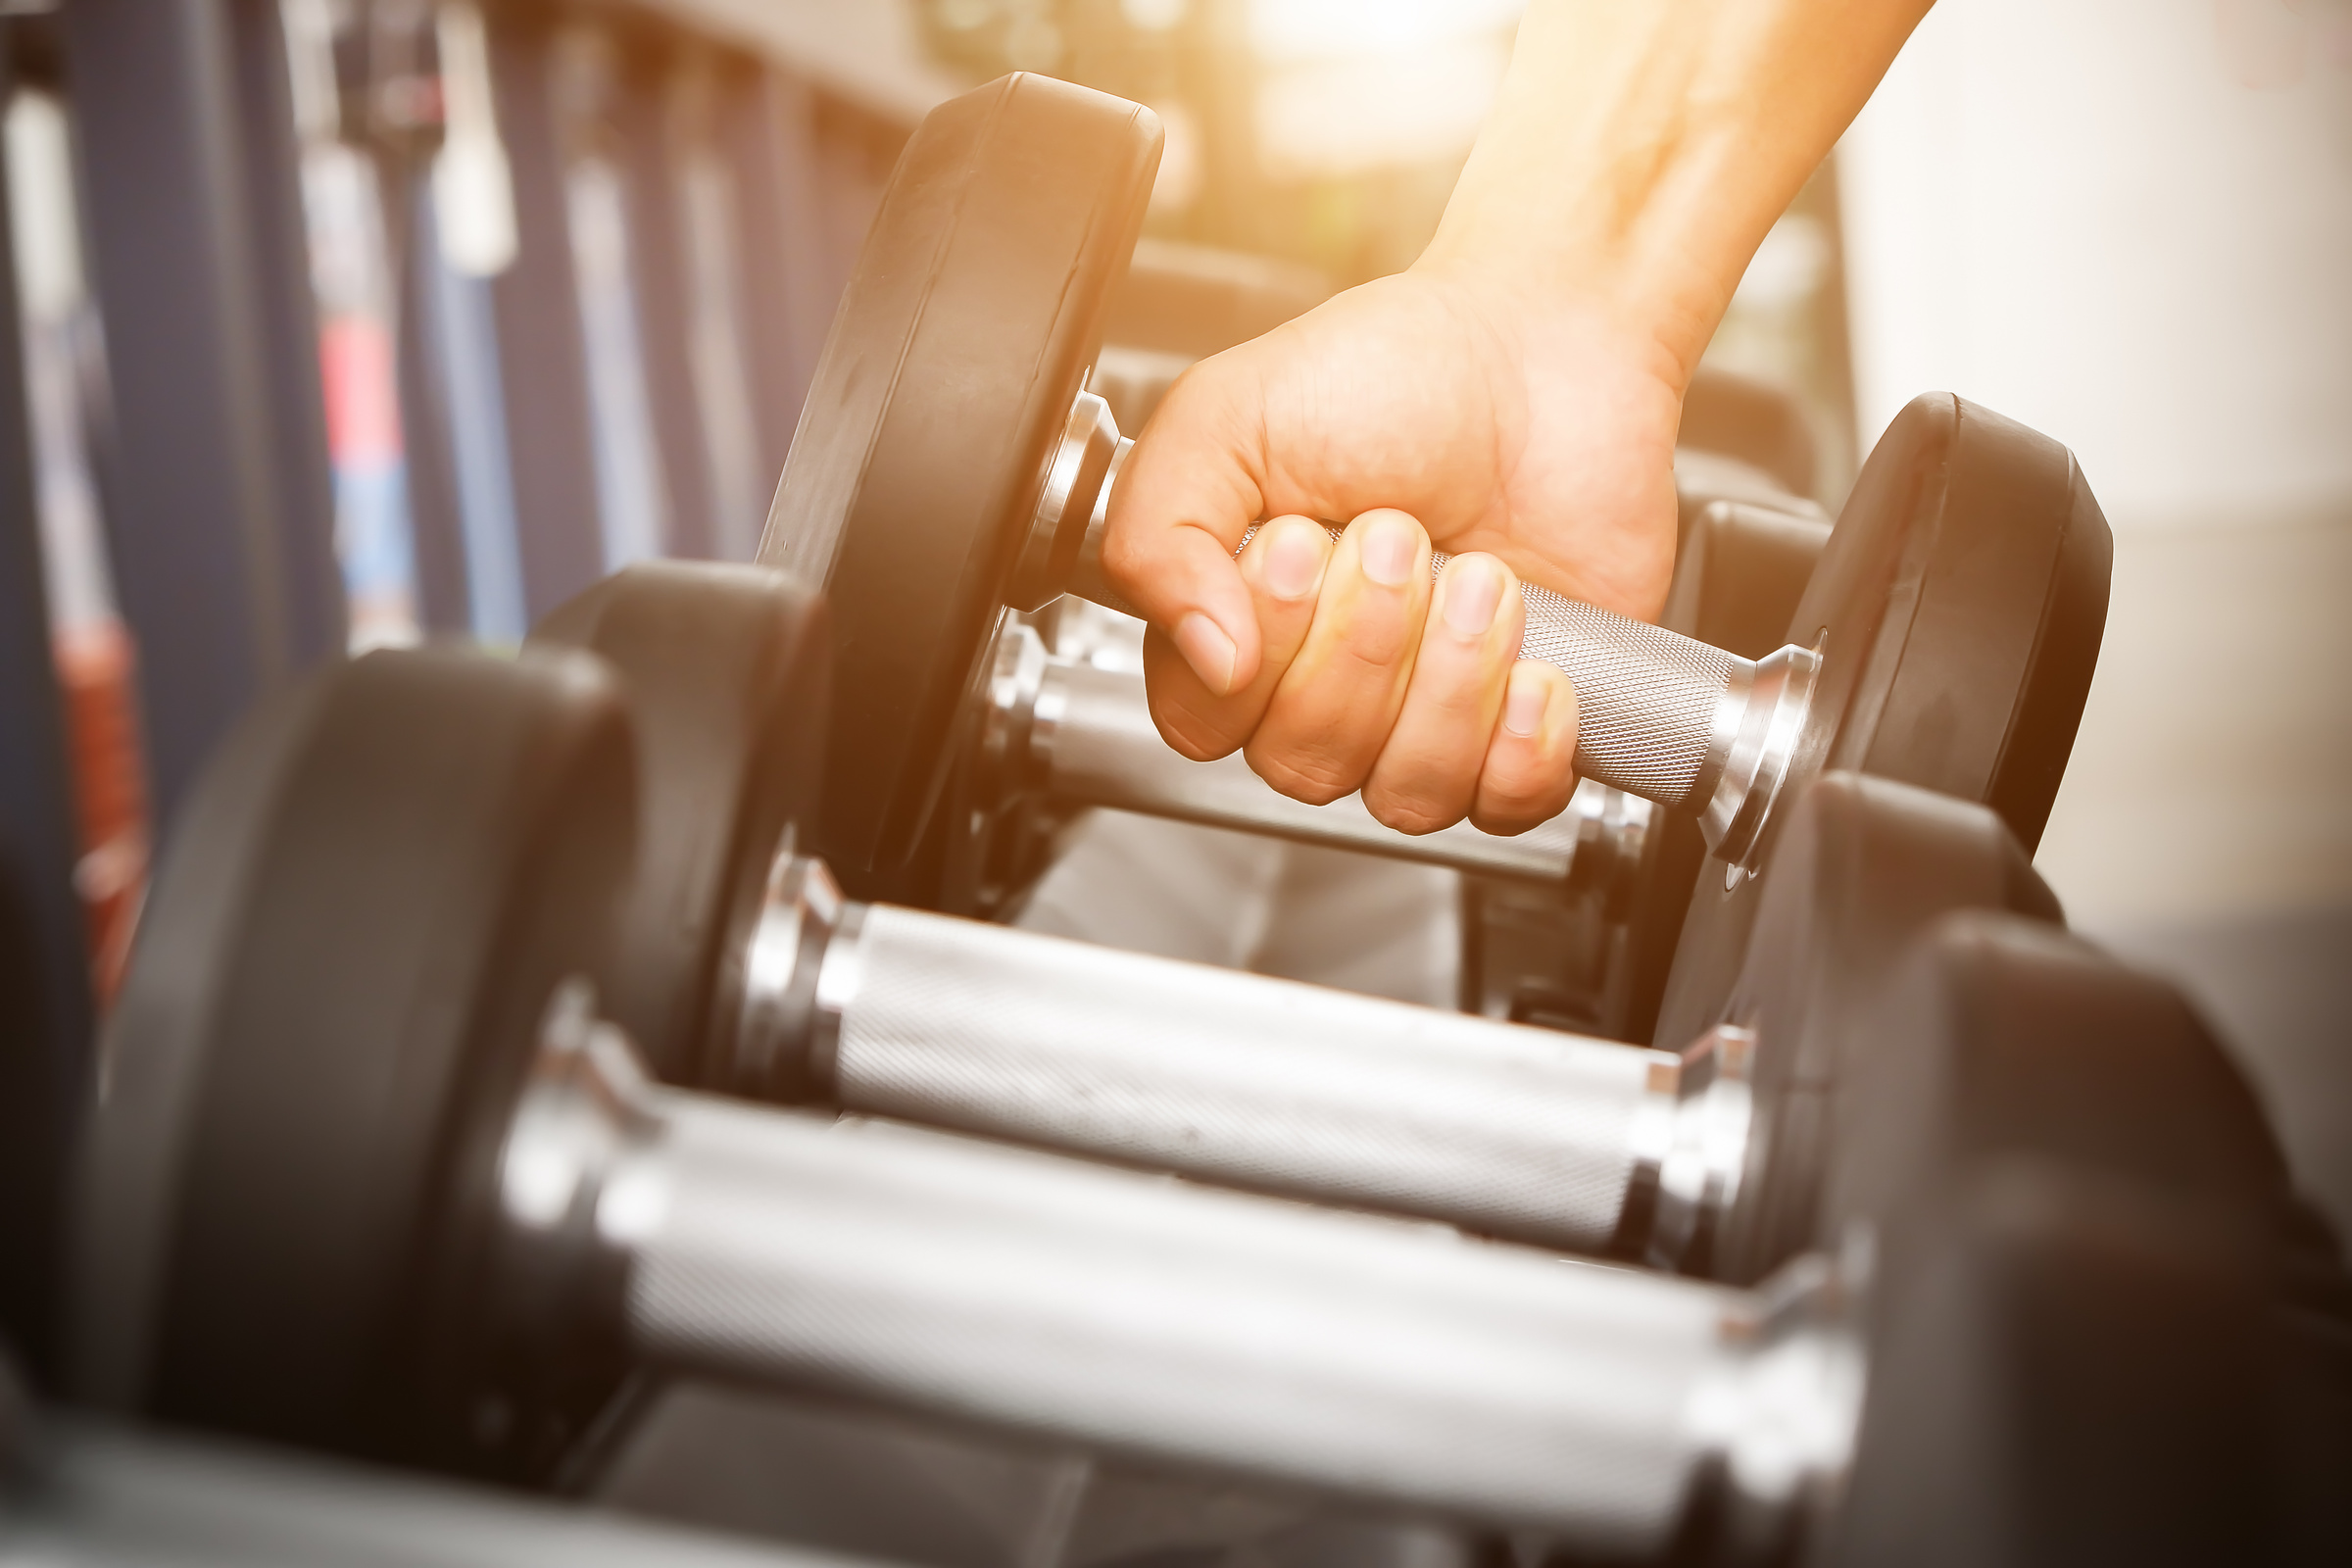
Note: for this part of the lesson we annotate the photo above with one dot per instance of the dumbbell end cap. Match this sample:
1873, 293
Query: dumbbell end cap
1693, 1150
779, 1051
1758, 732
1070, 496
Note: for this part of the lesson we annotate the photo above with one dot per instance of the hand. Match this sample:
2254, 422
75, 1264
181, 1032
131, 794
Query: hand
1435, 407
1513, 398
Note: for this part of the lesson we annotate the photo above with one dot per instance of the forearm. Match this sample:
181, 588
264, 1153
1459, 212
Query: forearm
1639, 151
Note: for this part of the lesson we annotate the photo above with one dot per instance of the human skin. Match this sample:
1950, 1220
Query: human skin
1511, 398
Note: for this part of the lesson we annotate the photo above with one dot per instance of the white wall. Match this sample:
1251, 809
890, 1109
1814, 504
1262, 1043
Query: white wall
2081, 213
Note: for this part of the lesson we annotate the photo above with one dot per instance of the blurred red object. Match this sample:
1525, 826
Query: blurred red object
95, 668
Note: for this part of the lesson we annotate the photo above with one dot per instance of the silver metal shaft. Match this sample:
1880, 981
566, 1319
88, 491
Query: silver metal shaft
1092, 739
1586, 1146
1372, 1356
1151, 1318
1241, 1079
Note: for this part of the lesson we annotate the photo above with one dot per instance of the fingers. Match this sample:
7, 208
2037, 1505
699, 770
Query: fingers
1427, 775
1283, 569
1331, 712
1529, 766
1188, 492
1364, 677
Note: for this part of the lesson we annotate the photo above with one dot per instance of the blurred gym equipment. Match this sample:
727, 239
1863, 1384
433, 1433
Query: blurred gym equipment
315, 1217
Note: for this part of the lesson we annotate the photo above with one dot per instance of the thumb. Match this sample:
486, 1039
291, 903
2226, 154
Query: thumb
1186, 495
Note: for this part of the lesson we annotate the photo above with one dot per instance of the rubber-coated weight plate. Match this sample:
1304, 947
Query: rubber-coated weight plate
1958, 607
1996, 1035
960, 344
1862, 866
725, 671
380, 881
2065, 1369
1992, 612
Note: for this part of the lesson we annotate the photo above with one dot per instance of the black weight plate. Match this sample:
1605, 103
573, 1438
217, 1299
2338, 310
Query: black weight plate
1861, 867
1958, 607
1999, 1035
336, 989
1759, 422
725, 671
2063, 1370
1984, 653
949, 374
1740, 571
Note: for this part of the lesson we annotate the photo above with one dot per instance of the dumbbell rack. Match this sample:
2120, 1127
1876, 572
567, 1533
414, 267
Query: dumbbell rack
222, 513
189, 136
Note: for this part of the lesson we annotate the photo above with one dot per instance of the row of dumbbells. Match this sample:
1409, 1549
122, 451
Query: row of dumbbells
607, 1217
498, 1029
374, 1171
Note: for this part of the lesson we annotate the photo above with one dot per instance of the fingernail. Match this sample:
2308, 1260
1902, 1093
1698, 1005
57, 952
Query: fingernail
1473, 588
1523, 706
1205, 647
1391, 542
1293, 560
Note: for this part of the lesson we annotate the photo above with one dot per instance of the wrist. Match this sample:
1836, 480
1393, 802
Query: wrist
1538, 290
1637, 154
1645, 247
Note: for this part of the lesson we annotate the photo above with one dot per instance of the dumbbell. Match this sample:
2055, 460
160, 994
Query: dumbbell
949, 465
1077, 731
370, 1172
1074, 727
742, 969
725, 976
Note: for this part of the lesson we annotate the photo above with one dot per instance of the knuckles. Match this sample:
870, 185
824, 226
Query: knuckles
1409, 815
1314, 781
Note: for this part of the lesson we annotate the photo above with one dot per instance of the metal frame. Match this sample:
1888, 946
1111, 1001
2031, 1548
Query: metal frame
45, 1004
648, 157
217, 503
435, 521
212, 458
542, 359
770, 123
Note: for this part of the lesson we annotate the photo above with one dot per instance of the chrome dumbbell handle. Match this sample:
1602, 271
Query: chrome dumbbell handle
1092, 739
1576, 1144
1084, 734
1125, 1311
1660, 716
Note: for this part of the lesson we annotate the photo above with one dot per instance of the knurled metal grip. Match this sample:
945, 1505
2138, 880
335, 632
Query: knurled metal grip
1396, 1362
1532, 1133
1082, 733
1660, 716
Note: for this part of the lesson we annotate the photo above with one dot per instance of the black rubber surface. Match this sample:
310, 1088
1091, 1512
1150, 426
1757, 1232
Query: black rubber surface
1959, 605
1741, 570
1863, 866
1996, 1036
2065, 1369
963, 337
1759, 422
725, 667
1993, 612
339, 984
